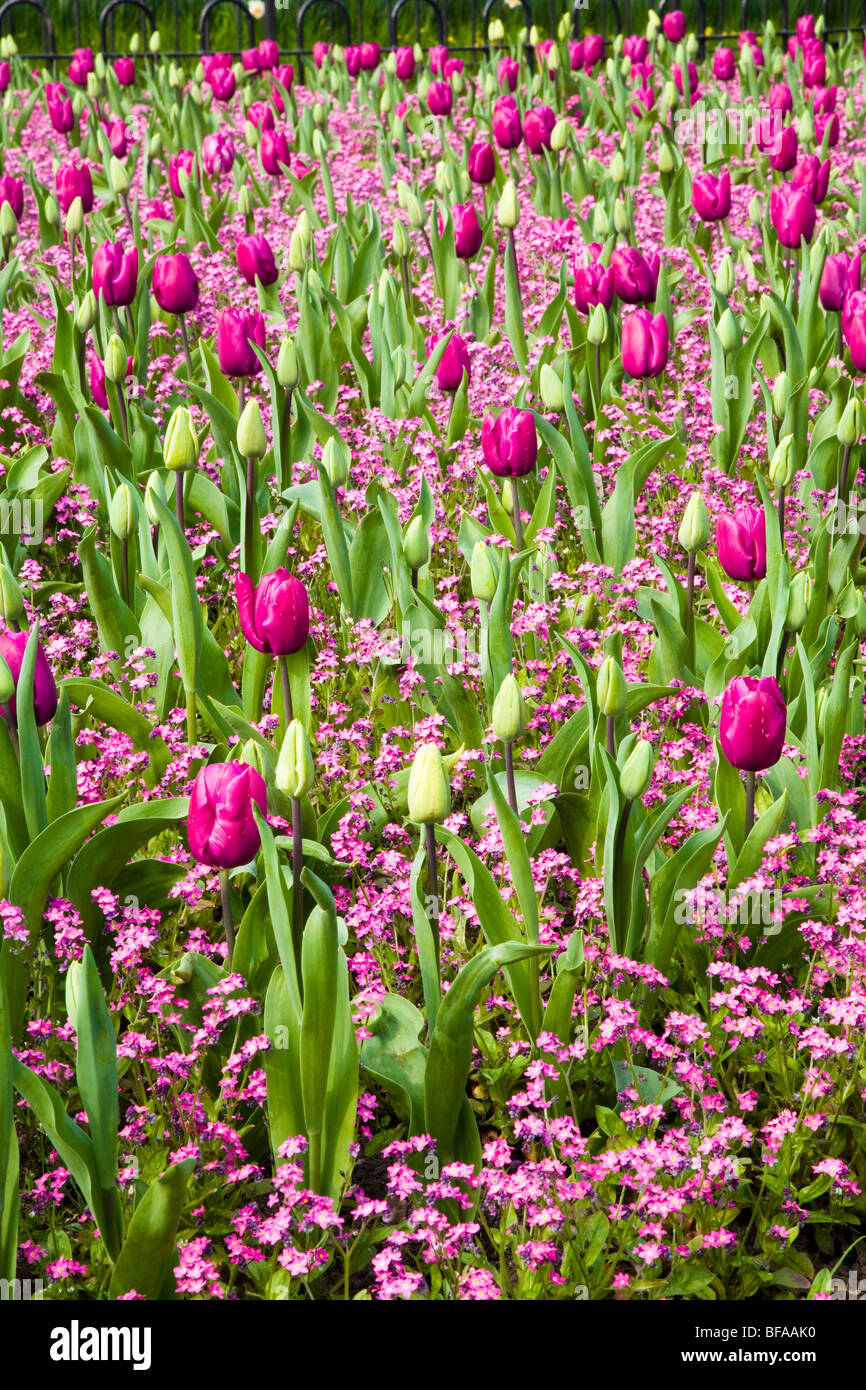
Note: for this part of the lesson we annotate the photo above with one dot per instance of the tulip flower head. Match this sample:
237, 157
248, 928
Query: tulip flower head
275, 614
115, 273
635, 280
712, 196
645, 344
45, 701
509, 443
741, 543
793, 215
840, 277
453, 363
237, 330
256, 260
753, 722
175, 283
221, 828
854, 327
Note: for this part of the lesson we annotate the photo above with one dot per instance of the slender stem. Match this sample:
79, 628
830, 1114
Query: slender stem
286, 443
690, 605
515, 507
611, 742
646, 399
121, 405
124, 570
843, 479
781, 514
598, 379
508, 746
512, 251
297, 886
288, 713
750, 802
250, 517
433, 881
619, 878
72, 268
178, 501
226, 897
184, 334
407, 285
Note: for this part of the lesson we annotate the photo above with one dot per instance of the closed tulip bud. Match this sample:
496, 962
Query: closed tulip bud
637, 771
92, 87
610, 687
52, 212
781, 395
600, 223
11, 601
117, 175
116, 360
730, 335
245, 202
596, 329
121, 515
510, 715
400, 239
806, 129
429, 792
155, 43
559, 135
155, 489
135, 43
666, 160
296, 771
508, 207
320, 142
617, 168
756, 211
551, 389
694, 529
288, 372
482, 575
8, 221
399, 366
725, 275
625, 67
304, 230
415, 212
180, 448
850, 427
7, 682
442, 178
297, 252
507, 496
783, 463
496, 32
335, 463
251, 135
799, 599
670, 95
75, 218
252, 440
385, 103
621, 219
416, 544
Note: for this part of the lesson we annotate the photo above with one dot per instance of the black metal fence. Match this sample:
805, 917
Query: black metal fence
344, 22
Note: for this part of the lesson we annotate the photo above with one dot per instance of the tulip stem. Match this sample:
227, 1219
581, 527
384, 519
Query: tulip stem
843, 480
781, 514
72, 268
250, 514
432, 882
508, 746
226, 897
190, 718
286, 443
407, 285
297, 886
178, 501
690, 605
515, 508
124, 570
185, 336
121, 406
611, 742
646, 399
288, 713
597, 380
512, 252
750, 802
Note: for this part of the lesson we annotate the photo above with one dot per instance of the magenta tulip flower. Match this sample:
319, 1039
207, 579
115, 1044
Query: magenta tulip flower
61, 115
249, 60
223, 84
576, 55
405, 64
507, 128
5, 76
839, 278
450, 66
274, 151
12, 647
275, 614
261, 116
593, 283
81, 66
792, 213
115, 273
236, 331
711, 196
184, 161
814, 67
482, 163
371, 55
320, 52
437, 58
694, 89
283, 73
593, 49
780, 97
822, 100
209, 61
468, 235
221, 828
634, 278
805, 27
741, 543
256, 260
782, 154
509, 443
854, 327
98, 388
269, 54
828, 126
645, 344
453, 363
440, 98
124, 71
12, 192
218, 153
73, 181
119, 138
812, 176
644, 100
724, 64
753, 722
507, 73
175, 283
674, 25
537, 126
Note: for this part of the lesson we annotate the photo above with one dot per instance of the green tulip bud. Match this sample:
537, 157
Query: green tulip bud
747, 57
400, 239
320, 143
850, 427
416, 544
252, 440
725, 278
180, 447
296, 772
245, 201
799, 599
52, 211
304, 230
92, 87
155, 42
534, 35
385, 102
670, 96
508, 207
251, 135
429, 792
637, 771
552, 393
155, 489
596, 329
617, 168
399, 366
510, 715
11, 603
730, 334
806, 129
288, 372
154, 145
253, 754
667, 163
491, 86
121, 514
694, 529
610, 687
496, 32
559, 136
482, 575
600, 222
783, 464
625, 67
507, 497
781, 395
415, 212
135, 43
442, 178
75, 218
297, 252
334, 462
116, 359
118, 177
8, 221
756, 211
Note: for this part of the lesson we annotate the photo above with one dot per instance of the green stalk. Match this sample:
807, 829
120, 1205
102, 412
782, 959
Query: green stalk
226, 896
